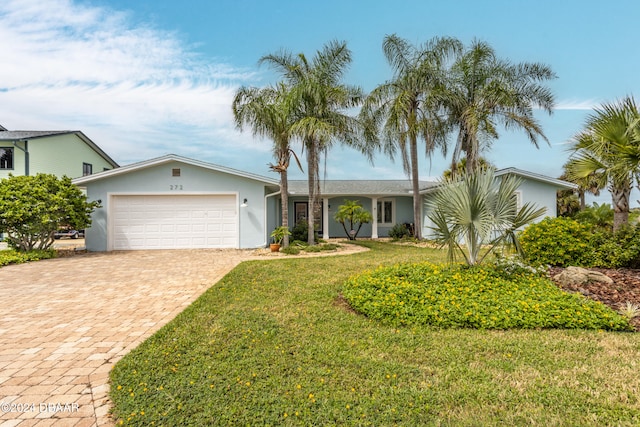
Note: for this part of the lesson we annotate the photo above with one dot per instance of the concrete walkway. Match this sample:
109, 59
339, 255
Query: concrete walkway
65, 322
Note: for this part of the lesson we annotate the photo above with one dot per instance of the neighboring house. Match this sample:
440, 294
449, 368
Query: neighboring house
69, 153
177, 202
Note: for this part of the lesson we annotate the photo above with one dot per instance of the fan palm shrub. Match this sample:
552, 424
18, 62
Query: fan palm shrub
475, 213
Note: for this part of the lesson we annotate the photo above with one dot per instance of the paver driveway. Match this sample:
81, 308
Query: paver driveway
65, 322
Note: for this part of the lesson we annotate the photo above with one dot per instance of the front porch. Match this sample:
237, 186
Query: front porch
386, 211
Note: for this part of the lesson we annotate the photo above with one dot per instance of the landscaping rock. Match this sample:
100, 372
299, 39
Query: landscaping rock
575, 276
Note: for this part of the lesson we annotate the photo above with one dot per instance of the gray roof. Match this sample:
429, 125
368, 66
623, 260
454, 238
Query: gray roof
537, 177
15, 135
359, 187
19, 135
170, 158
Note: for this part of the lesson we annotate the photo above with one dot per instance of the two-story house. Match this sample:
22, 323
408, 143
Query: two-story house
70, 153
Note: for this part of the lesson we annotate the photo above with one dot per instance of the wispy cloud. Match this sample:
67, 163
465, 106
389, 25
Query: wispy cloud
136, 90
573, 104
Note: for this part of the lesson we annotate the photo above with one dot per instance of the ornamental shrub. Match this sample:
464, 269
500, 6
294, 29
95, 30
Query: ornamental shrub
480, 297
558, 242
399, 231
616, 250
14, 257
33, 208
299, 231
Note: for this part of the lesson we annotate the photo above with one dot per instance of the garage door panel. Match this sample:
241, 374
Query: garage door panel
170, 221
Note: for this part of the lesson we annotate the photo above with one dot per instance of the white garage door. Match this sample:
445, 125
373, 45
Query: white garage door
174, 222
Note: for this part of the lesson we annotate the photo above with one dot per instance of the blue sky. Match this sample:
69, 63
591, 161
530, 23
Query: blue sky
149, 77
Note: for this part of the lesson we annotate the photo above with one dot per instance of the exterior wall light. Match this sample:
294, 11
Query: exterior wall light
244, 204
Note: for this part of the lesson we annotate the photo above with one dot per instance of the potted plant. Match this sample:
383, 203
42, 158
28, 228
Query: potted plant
277, 235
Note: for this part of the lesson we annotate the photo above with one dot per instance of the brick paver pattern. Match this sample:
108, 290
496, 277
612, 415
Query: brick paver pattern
65, 322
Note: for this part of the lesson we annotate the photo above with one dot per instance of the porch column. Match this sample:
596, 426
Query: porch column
325, 218
374, 212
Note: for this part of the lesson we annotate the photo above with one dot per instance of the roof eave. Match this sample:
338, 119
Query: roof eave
166, 159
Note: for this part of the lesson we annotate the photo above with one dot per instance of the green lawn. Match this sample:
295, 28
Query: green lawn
272, 344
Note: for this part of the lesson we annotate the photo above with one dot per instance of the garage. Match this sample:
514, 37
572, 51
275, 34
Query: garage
152, 221
174, 202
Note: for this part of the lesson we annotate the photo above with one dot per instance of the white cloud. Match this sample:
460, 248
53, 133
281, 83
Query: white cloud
135, 90
573, 104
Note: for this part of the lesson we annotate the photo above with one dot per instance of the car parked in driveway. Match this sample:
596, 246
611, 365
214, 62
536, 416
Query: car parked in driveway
71, 234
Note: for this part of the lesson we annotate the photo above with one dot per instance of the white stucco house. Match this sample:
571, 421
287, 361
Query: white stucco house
174, 202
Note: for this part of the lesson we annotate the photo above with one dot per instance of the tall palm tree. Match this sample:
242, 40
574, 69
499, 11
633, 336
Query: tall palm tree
608, 152
320, 101
267, 111
407, 108
486, 91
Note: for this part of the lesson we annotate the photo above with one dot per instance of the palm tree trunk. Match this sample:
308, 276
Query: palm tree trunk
415, 183
284, 198
620, 200
472, 154
312, 169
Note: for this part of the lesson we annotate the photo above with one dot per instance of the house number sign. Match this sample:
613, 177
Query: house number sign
175, 187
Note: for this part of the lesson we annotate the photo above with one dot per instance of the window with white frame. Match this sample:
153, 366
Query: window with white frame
386, 209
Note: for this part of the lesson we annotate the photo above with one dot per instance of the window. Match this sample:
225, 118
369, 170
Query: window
301, 210
386, 210
175, 172
518, 196
87, 169
6, 158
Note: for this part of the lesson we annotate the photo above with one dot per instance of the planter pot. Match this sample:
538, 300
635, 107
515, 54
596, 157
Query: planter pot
275, 247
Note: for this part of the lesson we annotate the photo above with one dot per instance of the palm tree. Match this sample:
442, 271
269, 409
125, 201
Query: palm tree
486, 91
480, 212
461, 167
320, 102
607, 152
268, 113
587, 184
407, 107
353, 213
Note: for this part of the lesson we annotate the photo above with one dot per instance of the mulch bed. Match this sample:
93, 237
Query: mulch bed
625, 288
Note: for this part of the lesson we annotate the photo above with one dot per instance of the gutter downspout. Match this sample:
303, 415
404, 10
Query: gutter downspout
25, 150
266, 237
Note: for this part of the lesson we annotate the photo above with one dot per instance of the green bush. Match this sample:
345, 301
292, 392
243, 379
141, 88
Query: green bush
558, 242
399, 231
616, 250
14, 257
564, 241
477, 297
33, 208
290, 250
300, 230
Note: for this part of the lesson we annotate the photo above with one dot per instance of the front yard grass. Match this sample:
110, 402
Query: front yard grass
273, 344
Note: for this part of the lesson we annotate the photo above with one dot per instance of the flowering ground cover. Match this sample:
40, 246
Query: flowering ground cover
483, 297
273, 343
